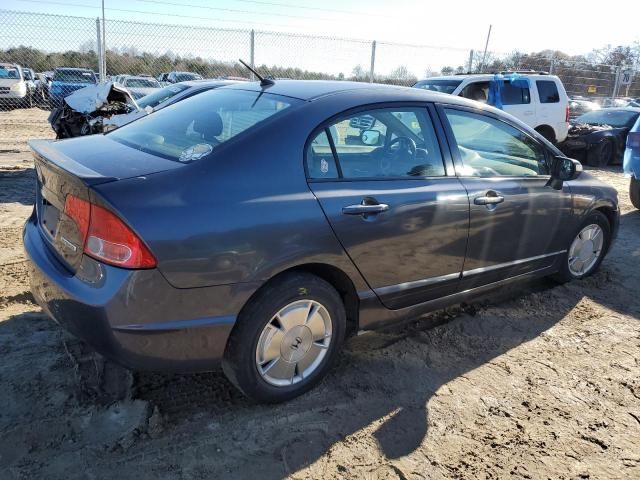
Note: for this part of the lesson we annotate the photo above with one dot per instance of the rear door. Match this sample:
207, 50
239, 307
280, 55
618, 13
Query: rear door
516, 220
381, 178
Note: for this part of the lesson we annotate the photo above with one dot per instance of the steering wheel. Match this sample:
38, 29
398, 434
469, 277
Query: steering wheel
390, 155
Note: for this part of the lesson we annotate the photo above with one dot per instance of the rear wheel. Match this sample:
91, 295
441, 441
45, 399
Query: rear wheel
634, 192
587, 248
286, 338
547, 133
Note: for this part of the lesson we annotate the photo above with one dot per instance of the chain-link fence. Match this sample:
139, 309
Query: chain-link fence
41, 44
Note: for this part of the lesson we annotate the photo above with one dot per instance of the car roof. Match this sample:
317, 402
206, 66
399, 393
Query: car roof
488, 76
75, 68
311, 90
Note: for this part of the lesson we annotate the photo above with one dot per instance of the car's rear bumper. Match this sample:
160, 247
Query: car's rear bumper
134, 317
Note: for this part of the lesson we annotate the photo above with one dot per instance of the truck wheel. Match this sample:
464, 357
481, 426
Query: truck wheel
286, 338
634, 192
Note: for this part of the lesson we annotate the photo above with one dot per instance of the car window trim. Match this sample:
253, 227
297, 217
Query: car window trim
455, 153
447, 158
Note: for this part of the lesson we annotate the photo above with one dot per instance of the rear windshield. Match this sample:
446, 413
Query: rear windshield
75, 76
615, 118
141, 83
156, 98
9, 73
185, 77
443, 86
191, 129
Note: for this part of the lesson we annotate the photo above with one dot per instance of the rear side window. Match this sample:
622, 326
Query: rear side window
193, 128
548, 91
515, 95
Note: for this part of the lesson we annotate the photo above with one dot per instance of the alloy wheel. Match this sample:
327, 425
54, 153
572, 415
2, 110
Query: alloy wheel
586, 250
293, 343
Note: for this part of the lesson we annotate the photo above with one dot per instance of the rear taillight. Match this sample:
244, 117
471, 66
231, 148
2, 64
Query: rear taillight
107, 238
567, 114
633, 140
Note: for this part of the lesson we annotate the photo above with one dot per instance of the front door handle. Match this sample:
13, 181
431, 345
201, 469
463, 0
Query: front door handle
489, 199
365, 209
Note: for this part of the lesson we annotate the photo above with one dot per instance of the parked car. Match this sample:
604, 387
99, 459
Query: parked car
140, 86
42, 82
631, 164
538, 99
226, 228
598, 138
68, 80
579, 107
176, 77
14, 88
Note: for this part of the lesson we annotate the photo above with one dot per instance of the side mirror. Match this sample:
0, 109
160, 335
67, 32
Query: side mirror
563, 169
370, 137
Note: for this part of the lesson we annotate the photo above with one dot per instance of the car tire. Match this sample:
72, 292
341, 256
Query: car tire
570, 270
601, 155
634, 192
272, 325
547, 133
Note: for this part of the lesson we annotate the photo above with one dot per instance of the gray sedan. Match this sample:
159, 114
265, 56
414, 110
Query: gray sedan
259, 224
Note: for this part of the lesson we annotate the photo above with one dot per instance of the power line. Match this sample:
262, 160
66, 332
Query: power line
146, 12
233, 10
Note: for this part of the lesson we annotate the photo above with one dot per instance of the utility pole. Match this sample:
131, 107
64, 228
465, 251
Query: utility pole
470, 69
486, 45
104, 47
373, 61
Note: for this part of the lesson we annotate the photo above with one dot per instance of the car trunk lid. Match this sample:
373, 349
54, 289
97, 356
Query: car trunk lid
70, 168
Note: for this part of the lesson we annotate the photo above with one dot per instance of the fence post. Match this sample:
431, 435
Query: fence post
99, 51
553, 64
252, 52
373, 61
470, 69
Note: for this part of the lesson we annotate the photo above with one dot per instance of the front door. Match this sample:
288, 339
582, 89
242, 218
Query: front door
515, 218
380, 178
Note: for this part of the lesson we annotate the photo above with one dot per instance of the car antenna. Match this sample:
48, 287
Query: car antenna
264, 82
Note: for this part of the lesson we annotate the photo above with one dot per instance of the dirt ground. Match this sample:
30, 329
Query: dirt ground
543, 382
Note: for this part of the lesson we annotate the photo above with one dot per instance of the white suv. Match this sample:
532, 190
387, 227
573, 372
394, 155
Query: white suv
14, 91
543, 104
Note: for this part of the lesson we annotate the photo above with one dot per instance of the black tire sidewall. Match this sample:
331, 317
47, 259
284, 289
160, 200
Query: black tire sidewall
597, 218
596, 159
239, 358
634, 192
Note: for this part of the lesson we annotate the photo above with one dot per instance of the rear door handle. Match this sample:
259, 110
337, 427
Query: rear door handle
360, 209
488, 200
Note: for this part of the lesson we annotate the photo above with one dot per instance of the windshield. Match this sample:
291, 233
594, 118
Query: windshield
156, 98
186, 76
615, 118
442, 86
191, 129
141, 83
74, 76
9, 73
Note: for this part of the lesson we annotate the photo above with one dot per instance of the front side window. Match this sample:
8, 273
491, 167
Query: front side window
489, 147
383, 143
193, 128
548, 91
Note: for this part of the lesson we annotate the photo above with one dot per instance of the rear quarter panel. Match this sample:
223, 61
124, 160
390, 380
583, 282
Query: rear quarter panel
243, 214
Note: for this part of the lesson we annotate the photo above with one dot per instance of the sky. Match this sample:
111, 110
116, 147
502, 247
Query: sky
570, 26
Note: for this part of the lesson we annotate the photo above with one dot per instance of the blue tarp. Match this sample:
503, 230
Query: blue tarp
497, 84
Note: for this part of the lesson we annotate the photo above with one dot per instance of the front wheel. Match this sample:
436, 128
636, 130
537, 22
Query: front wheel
286, 338
634, 192
587, 249
601, 155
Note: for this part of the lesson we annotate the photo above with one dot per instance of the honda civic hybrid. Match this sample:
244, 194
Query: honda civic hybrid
258, 225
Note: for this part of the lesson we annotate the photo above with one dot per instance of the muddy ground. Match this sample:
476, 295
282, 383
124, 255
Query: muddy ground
540, 383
